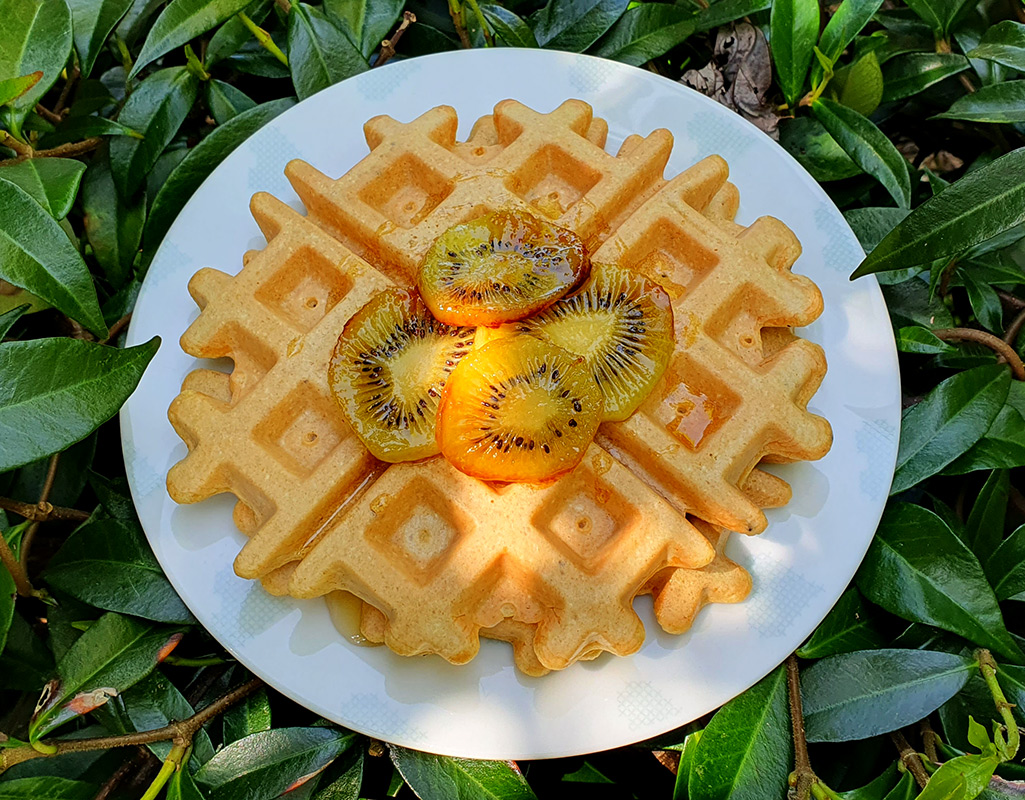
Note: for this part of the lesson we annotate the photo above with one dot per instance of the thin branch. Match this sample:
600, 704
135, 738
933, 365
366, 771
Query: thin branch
117, 327
23, 150
60, 151
21, 581
1011, 334
388, 45
65, 94
945, 276
44, 495
1010, 299
994, 343
264, 38
48, 115
43, 512
128, 766
909, 758
456, 12
988, 668
803, 777
179, 732
930, 741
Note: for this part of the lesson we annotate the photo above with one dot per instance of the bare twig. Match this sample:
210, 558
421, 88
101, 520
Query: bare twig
47, 114
1012, 300
128, 766
21, 581
117, 327
388, 45
803, 777
62, 99
179, 732
909, 758
44, 495
994, 343
42, 512
60, 151
945, 276
23, 150
456, 12
930, 740
1011, 334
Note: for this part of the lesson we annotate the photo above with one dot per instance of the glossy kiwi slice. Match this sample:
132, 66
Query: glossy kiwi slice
388, 370
499, 268
518, 409
622, 323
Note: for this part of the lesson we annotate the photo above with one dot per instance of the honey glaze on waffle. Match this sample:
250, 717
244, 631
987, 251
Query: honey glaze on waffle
437, 558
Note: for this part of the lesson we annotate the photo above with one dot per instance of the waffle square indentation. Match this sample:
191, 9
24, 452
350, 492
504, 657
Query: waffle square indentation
670, 256
552, 180
302, 430
406, 191
304, 289
691, 403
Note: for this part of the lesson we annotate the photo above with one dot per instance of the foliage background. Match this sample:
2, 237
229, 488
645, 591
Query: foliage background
111, 114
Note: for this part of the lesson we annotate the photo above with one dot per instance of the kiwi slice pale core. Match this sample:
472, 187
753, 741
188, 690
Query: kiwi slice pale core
518, 409
499, 268
388, 370
622, 323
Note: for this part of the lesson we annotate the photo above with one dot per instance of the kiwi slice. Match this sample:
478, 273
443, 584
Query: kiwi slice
499, 268
388, 370
518, 409
622, 323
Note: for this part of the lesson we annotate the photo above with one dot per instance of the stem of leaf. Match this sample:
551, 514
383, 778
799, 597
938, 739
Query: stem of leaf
171, 764
388, 45
909, 758
44, 495
994, 343
264, 38
41, 512
194, 65
802, 779
488, 41
988, 668
21, 581
456, 12
181, 661
18, 146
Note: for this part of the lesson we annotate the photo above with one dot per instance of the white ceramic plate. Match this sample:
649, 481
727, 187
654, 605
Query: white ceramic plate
486, 709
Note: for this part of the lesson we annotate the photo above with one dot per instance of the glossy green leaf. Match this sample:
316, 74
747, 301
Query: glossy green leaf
575, 25
879, 789
937, 14
724, 12
8, 591
1004, 43
36, 37
588, 773
253, 59
201, 161
807, 141
181, 22
859, 86
509, 29
434, 777
985, 526
951, 418
1001, 102
250, 716
857, 695
114, 654
872, 223
46, 788
266, 764
850, 17
867, 146
113, 225
915, 339
13, 88
1005, 568
747, 747
156, 109
961, 777
233, 33
910, 74
108, 564
343, 779
92, 22
7, 319
26, 662
794, 32
182, 786
984, 300
225, 101
319, 54
54, 392
645, 32
847, 627
74, 129
52, 182
36, 255
1012, 681
154, 702
919, 570
685, 767
367, 22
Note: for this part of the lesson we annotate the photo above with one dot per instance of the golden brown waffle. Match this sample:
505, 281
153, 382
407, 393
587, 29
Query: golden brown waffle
270, 433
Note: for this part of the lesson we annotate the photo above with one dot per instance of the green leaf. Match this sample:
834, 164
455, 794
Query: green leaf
182, 786
1006, 567
114, 654
347, 785
860, 85
509, 29
155, 702
156, 109
645, 32
857, 695
910, 74
92, 22
267, 764
225, 101
1003, 446
588, 773
54, 392
575, 25
367, 22
1012, 681
201, 161
685, 767
8, 319
807, 141
36, 255
919, 570
938, 14
434, 777
52, 182
36, 38
250, 716
872, 223
867, 146
13, 88
794, 31
915, 339
46, 788
985, 526
984, 203
846, 628
984, 300
880, 789
961, 777
850, 17
108, 564
112, 225
8, 591
951, 418
746, 748
181, 22
724, 12
318, 53
1003, 43
75, 128
233, 33
1001, 102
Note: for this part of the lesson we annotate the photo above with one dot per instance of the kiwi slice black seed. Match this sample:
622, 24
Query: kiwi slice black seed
499, 268
388, 371
622, 323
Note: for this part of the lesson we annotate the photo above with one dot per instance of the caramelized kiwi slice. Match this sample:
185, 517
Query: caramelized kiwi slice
388, 370
622, 323
499, 268
518, 409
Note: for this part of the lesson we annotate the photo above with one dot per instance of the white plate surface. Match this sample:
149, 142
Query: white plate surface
486, 709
